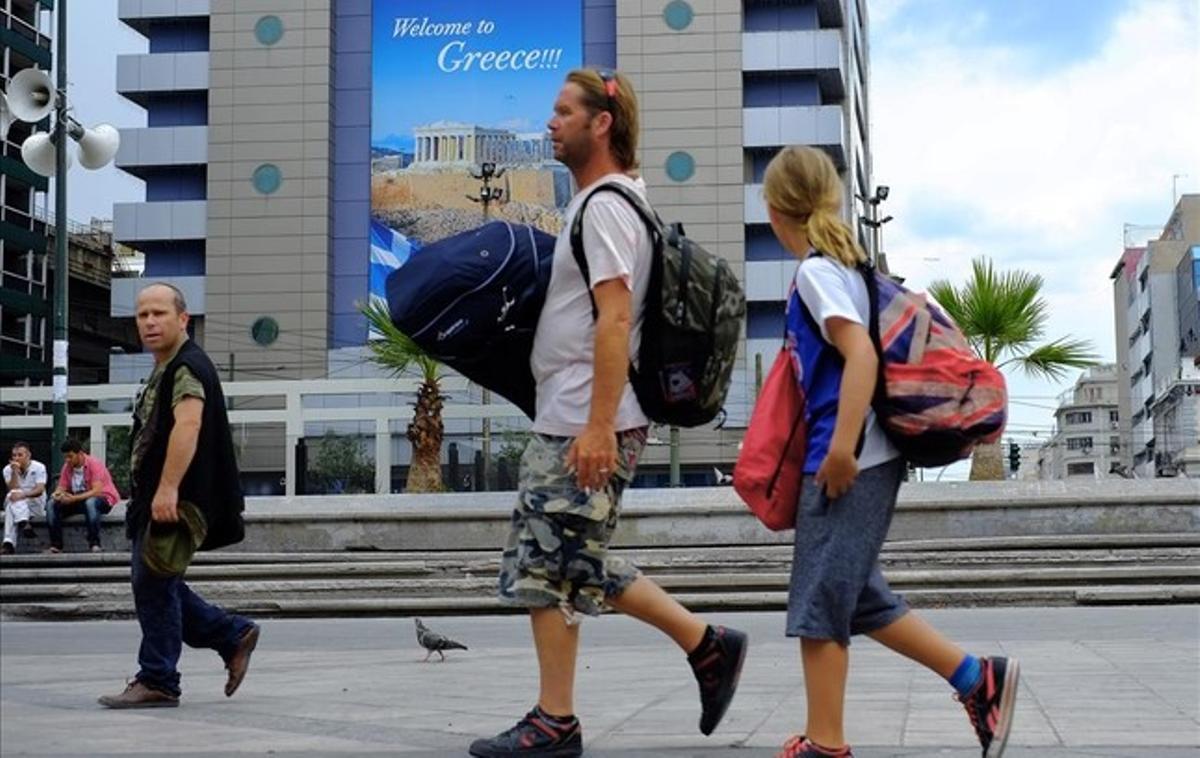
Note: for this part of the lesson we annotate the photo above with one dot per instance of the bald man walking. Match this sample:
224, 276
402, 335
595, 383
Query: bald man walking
182, 451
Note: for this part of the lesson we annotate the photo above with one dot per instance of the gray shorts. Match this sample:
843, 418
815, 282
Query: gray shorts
837, 588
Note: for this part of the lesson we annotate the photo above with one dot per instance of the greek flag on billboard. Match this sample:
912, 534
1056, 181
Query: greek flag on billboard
389, 251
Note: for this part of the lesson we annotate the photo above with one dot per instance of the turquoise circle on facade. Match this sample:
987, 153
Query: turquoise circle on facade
680, 166
267, 178
678, 15
265, 330
268, 30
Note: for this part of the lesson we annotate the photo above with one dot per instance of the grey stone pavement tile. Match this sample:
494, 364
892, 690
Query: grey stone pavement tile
1096, 682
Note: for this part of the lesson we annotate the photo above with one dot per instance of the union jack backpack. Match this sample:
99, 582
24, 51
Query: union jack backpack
935, 398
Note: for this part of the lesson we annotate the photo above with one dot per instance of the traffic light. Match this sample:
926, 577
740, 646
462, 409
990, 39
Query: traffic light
1014, 456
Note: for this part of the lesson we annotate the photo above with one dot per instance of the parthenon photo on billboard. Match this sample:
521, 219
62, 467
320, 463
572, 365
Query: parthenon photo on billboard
456, 86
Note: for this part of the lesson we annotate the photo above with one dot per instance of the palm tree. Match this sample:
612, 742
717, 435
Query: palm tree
397, 353
1003, 317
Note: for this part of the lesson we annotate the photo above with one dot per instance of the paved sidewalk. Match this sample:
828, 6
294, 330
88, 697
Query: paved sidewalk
1097, 682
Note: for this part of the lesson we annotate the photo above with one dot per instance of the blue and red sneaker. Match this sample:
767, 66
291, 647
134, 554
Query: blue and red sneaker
991, 704
799, 746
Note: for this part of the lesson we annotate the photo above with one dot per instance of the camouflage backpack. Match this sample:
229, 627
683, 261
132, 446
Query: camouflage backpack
692, 323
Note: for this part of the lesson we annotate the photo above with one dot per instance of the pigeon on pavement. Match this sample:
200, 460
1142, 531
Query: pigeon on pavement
434, 642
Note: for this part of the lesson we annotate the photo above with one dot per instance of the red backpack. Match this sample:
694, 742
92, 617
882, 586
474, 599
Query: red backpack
770, 464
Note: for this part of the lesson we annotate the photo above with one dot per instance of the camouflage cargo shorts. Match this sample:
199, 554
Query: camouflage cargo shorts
557, 549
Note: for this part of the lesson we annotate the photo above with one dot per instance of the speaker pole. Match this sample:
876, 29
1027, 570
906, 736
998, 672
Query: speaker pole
61, 272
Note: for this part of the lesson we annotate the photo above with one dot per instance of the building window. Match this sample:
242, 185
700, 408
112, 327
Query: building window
678, 15
1079, 443
268, 30
1114, 416
267, 178
1079, 417
1081, 469
680, 166
265, 330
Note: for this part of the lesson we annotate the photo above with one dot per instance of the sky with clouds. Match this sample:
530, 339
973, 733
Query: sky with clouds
1031, 132
1028, 131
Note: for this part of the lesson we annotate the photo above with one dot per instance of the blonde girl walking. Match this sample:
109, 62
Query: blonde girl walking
852, 475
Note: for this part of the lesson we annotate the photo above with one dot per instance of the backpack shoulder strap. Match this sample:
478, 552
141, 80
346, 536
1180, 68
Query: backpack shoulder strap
645, 212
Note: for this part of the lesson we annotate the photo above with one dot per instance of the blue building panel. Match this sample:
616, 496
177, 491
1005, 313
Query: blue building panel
764, 320
769, 89
176, 258
353, 109
351, 182
177, 109
349, 245
176, 183
178, 36
779, 16
347, 147
761, 244
600, 33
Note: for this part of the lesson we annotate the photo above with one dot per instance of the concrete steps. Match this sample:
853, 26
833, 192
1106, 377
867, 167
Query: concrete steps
1052, 570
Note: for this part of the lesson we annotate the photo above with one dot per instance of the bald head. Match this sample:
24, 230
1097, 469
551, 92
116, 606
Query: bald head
172, 291
162, 319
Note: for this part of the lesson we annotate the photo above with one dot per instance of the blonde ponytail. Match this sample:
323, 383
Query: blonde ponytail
801, 182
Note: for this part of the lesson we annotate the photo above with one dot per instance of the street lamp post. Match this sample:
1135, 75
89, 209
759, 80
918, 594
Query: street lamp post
487, 195
875, 224
59, 378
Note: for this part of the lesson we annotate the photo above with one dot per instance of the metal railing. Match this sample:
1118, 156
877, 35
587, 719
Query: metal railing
377, 403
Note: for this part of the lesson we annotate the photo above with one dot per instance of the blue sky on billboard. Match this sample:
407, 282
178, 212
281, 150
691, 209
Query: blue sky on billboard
477, 61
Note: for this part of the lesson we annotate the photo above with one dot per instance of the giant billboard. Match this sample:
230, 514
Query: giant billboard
461, 92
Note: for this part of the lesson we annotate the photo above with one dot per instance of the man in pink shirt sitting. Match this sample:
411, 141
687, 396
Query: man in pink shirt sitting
84, 486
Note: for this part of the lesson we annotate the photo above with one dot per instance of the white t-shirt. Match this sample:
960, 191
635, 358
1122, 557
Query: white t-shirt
34, 475
617, 246
77, 481
829, 289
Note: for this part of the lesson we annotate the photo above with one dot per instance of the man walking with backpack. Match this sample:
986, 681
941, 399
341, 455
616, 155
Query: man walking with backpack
589, 431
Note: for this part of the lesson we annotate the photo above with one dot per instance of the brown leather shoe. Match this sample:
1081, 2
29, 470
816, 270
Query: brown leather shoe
138, 695
240, 660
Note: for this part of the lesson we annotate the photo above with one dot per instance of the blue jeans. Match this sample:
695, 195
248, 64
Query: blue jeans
93, 509
170, 614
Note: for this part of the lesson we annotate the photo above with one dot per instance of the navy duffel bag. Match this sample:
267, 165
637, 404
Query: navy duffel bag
472, 301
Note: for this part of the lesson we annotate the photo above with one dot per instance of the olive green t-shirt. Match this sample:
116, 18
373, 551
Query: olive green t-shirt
186, 385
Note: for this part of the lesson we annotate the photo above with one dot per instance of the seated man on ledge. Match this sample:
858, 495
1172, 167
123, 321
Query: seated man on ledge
84, 487
25, 482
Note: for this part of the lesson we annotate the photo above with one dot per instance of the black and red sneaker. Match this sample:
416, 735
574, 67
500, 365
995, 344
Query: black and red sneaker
535, 735
799, 746
991, 704
717, 664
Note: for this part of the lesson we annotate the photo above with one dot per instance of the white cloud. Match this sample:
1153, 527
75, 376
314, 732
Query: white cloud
988, 153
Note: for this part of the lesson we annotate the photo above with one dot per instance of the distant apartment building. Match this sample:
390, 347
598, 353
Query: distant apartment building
1155, 292
25, 42
27, 234
1086, 440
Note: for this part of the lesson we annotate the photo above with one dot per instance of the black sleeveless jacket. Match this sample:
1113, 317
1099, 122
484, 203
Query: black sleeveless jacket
212, 480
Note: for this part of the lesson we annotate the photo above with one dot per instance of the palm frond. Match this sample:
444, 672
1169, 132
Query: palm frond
1054, 359
396, 352
1000, 312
